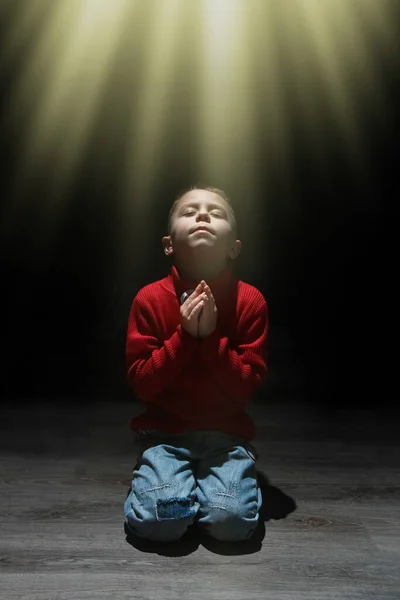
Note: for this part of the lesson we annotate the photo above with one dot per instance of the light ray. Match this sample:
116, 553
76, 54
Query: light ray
333, 72
20, 29
221, 83
70, 68
147, 125
254, 53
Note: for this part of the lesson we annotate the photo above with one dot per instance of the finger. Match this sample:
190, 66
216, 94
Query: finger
209, 308
191, 305
206, 288
196, 310
210, 304
190, 302
205, 310
206, 313
208, 291
195, 294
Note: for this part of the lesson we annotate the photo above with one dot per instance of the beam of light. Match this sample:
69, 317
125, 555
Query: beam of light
20, 30
250, 49
222, 85
268, 80
223, 112
226, 124
338, 44
62, 85
381, 23
146, 125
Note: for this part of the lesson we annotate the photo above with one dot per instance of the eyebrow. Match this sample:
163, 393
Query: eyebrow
196, 205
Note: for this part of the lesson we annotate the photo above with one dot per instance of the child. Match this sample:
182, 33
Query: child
195, 354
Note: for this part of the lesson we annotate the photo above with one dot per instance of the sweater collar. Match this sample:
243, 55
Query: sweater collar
220, 285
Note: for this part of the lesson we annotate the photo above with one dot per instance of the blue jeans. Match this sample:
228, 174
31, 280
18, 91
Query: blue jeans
202, 477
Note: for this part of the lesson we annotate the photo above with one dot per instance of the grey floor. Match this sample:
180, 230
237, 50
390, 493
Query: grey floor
331, 484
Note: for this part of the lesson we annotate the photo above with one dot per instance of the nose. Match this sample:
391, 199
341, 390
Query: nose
203, 215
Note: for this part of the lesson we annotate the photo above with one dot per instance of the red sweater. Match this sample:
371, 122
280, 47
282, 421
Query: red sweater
189, 384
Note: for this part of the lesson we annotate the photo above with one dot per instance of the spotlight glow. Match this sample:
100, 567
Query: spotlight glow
242, 55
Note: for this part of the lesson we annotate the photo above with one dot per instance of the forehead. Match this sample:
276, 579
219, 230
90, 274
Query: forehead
197, 197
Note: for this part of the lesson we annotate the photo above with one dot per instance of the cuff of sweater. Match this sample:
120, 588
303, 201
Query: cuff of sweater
188, 341
210, 346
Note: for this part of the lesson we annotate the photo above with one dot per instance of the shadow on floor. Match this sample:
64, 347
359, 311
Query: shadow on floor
276, 505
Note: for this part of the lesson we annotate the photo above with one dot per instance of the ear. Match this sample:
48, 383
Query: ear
167, 245
235, 249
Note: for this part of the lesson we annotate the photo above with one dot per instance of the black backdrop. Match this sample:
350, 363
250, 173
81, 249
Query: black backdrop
329, 279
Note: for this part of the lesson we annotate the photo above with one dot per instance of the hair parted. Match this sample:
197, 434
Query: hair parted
208, 188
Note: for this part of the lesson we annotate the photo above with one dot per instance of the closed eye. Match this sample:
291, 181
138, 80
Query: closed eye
188, 213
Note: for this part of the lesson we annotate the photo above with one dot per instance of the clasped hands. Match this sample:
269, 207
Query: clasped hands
199, 312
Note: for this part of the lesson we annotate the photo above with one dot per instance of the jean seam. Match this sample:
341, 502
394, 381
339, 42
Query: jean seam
225, 494
153, 489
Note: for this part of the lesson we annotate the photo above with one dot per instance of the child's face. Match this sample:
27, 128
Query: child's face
201, 208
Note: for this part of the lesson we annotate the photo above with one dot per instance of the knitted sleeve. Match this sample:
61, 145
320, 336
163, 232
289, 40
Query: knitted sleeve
153, 364
241, 367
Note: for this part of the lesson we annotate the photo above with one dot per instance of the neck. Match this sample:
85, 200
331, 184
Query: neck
197, 272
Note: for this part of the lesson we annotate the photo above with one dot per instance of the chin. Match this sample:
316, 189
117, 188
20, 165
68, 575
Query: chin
201, 241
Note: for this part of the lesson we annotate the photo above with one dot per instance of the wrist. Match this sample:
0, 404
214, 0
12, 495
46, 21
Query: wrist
207, 334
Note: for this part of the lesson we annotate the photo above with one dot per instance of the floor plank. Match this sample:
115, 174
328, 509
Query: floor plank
64, 473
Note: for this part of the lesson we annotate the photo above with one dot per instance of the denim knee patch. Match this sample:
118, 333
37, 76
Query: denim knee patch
173, 509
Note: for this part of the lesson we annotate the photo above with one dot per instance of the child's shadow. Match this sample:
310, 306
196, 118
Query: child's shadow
276, 505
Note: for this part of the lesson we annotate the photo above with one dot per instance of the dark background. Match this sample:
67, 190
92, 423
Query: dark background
326, 262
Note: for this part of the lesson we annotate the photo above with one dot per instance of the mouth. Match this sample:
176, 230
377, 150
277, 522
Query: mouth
202, 229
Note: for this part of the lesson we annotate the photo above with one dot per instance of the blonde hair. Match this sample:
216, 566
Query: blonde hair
208, 189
